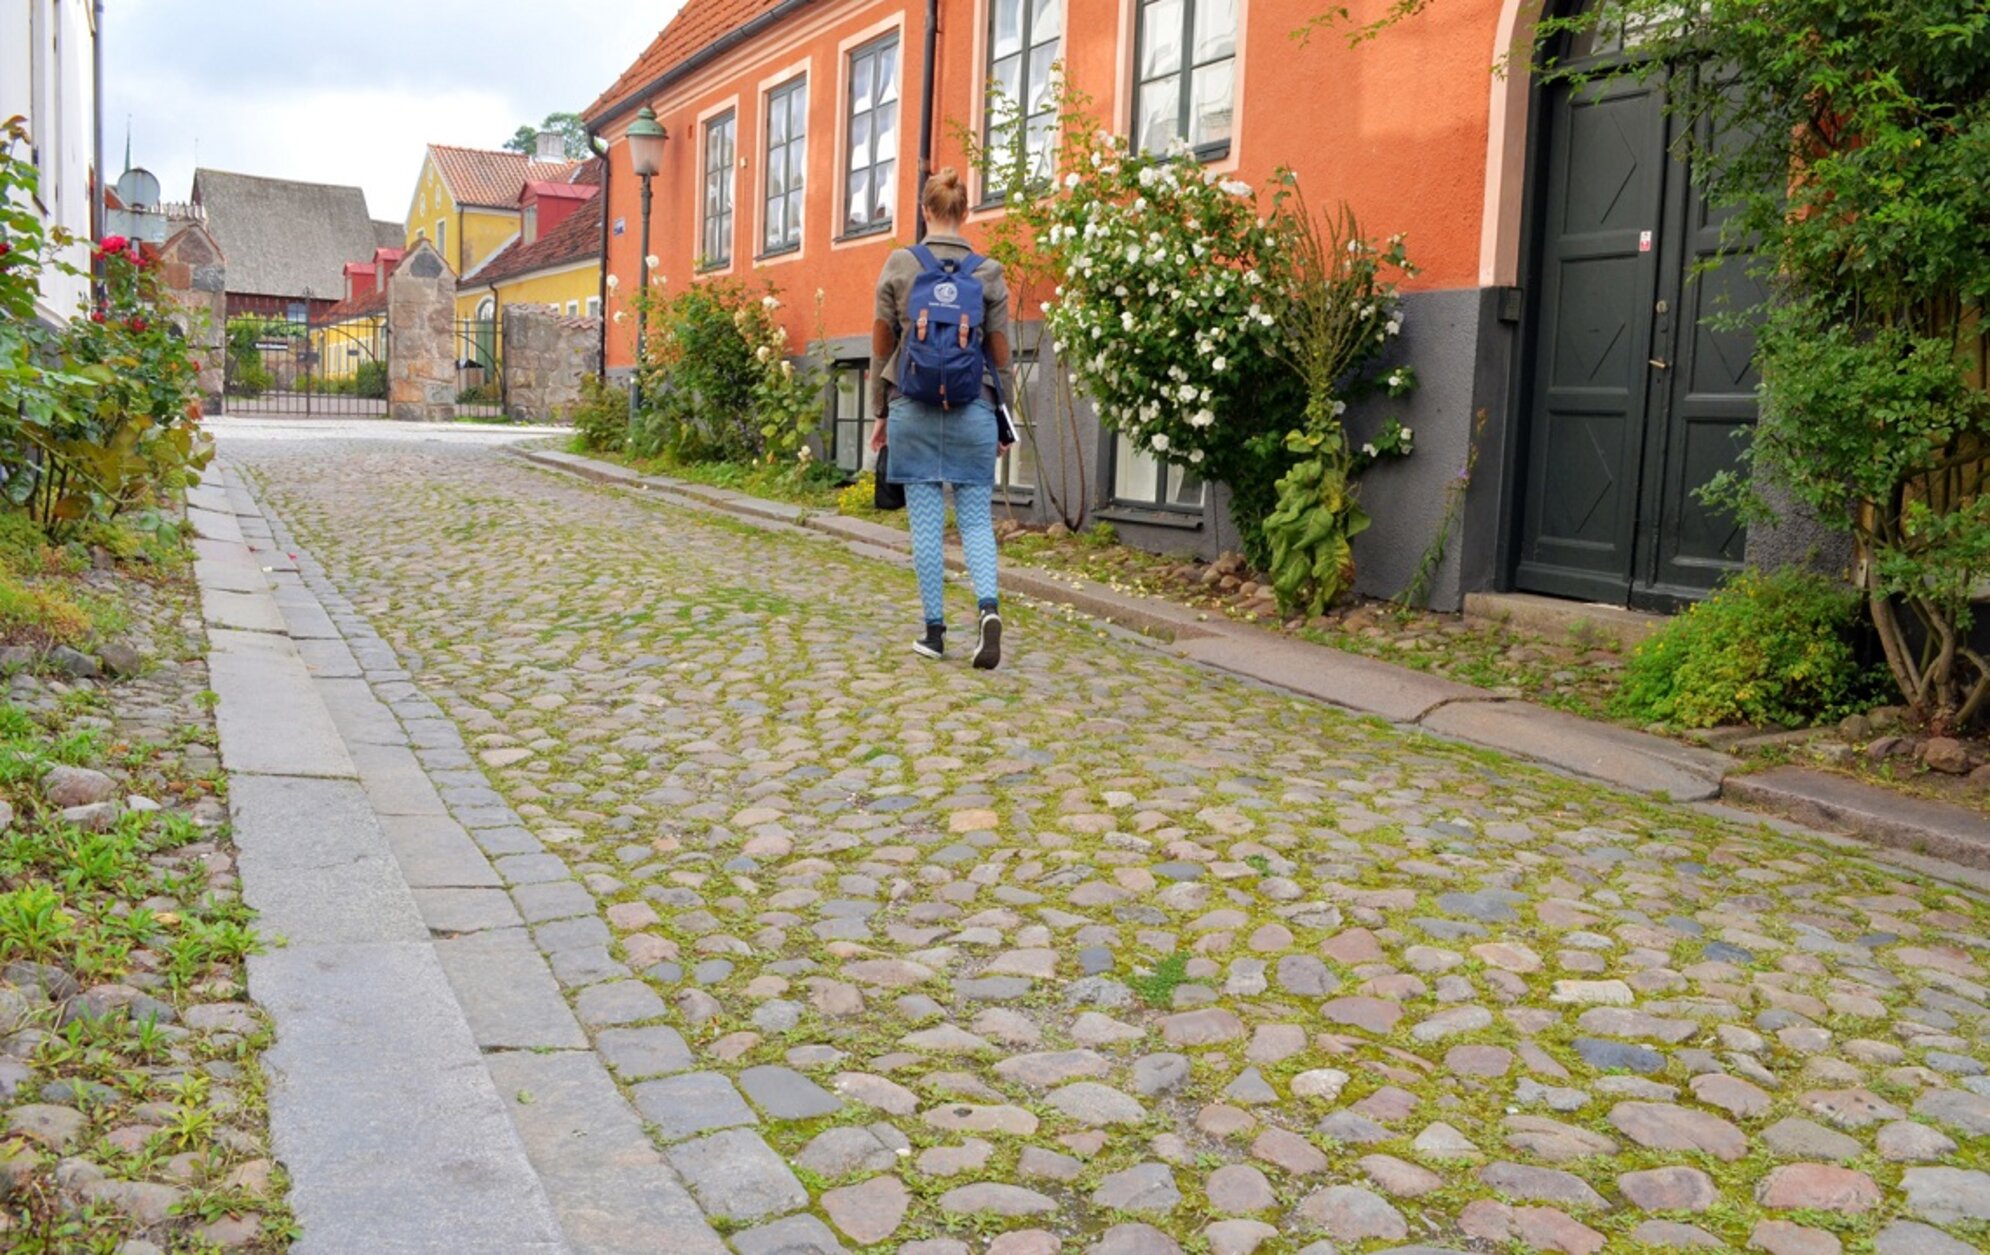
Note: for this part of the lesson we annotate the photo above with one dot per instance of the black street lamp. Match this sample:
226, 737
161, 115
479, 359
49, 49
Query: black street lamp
646, 137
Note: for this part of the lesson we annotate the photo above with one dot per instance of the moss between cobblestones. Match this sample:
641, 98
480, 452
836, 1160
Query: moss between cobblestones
678, 679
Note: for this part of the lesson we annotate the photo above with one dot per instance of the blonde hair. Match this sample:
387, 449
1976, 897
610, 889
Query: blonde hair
945, 196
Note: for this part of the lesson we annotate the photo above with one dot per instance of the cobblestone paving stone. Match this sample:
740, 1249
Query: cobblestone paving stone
1102, 953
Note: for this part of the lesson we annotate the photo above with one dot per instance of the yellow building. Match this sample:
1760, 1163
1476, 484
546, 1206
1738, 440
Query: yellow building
467, 200
555, 260
352, 346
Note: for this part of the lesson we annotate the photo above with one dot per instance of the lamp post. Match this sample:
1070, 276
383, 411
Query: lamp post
646, 137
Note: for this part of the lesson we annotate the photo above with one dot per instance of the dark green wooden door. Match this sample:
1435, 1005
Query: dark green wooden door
1632, 395
1703, 405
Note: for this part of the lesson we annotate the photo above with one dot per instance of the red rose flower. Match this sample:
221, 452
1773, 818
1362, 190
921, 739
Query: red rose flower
96, 315
113, 244
136, 324
5, 248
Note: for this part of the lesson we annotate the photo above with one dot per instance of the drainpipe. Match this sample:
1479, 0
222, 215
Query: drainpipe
926, 116
601, 278
98, 204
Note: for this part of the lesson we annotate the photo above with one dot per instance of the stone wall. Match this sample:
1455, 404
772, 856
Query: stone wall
546, 356
421, 338
196, 276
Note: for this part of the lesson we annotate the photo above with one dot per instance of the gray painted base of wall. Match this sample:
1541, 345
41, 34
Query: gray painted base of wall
1445, 338
1463, 354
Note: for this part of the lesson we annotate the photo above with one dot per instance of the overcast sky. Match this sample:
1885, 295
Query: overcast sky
349, 91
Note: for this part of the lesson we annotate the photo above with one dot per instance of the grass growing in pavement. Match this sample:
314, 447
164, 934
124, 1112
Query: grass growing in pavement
805, 485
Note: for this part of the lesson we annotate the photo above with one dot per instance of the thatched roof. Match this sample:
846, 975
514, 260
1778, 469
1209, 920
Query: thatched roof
282, 236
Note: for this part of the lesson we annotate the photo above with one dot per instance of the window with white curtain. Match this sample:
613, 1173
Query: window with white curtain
1185, 61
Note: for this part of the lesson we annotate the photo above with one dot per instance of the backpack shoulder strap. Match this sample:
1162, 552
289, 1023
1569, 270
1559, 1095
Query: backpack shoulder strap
924, 256
970, 263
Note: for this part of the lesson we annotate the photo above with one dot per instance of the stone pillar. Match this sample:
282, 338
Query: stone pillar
546, 356
196, 278
421, 338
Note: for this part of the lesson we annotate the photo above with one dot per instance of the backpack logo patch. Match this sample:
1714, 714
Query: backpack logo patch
946, 293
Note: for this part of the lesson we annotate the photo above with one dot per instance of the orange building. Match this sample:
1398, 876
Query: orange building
1554, 315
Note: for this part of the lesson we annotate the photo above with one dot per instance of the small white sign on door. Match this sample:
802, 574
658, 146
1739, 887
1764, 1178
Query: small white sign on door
1644, 241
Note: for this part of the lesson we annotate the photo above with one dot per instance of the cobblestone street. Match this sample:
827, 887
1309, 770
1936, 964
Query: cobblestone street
1101, 952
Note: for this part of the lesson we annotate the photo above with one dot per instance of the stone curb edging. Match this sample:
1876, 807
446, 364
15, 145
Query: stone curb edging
494, 920
392, 1133
1636, 761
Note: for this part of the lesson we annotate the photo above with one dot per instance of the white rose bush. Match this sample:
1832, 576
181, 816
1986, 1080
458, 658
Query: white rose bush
1220, 337
1162, 310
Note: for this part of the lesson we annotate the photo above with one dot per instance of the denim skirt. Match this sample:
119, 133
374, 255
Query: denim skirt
930, 445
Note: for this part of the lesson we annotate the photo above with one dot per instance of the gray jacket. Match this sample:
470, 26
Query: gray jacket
895, 286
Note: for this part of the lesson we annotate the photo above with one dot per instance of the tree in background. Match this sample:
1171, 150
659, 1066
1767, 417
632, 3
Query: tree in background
572, 131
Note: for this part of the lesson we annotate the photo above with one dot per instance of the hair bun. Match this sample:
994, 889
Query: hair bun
945, 196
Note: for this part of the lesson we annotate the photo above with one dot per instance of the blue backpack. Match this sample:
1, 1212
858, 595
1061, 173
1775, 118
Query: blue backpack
941, 359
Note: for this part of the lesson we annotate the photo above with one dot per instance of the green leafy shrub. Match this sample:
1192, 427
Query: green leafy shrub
859, 499
490, 392
1847, 145
370, 380
33, 923
1765, 649
94, 415
34, 614
719, 384
23, 548
248, 377
601, 420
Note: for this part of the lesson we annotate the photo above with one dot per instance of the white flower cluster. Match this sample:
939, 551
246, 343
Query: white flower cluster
1161, 298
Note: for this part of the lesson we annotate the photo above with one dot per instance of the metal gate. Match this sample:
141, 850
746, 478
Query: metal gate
328, 369
479, 368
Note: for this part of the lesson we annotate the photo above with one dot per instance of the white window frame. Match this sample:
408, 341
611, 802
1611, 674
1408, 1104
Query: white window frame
1167, 477
716, 225
871, 48
795, 159
993, 113
855, 427
1186, 70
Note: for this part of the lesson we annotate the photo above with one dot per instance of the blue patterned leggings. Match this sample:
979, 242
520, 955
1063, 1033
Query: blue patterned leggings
926, 511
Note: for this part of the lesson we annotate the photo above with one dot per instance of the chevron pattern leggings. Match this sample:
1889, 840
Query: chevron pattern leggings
926, 512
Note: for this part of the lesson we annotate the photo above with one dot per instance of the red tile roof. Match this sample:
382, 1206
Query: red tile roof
557, 191
491, 177
374, 302
577, 239
698, 25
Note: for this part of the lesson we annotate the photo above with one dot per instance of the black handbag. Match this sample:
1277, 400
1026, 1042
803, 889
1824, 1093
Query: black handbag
886, 495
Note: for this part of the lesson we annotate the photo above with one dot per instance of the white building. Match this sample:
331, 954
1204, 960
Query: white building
48, 76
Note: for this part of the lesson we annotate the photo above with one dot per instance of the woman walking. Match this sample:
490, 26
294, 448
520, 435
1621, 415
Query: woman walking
939, 368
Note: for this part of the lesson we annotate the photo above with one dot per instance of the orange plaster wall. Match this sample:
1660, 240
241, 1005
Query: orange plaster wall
1396, 127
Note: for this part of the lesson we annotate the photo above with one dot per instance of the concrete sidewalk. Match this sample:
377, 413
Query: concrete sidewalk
1625, 758
430, 1090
